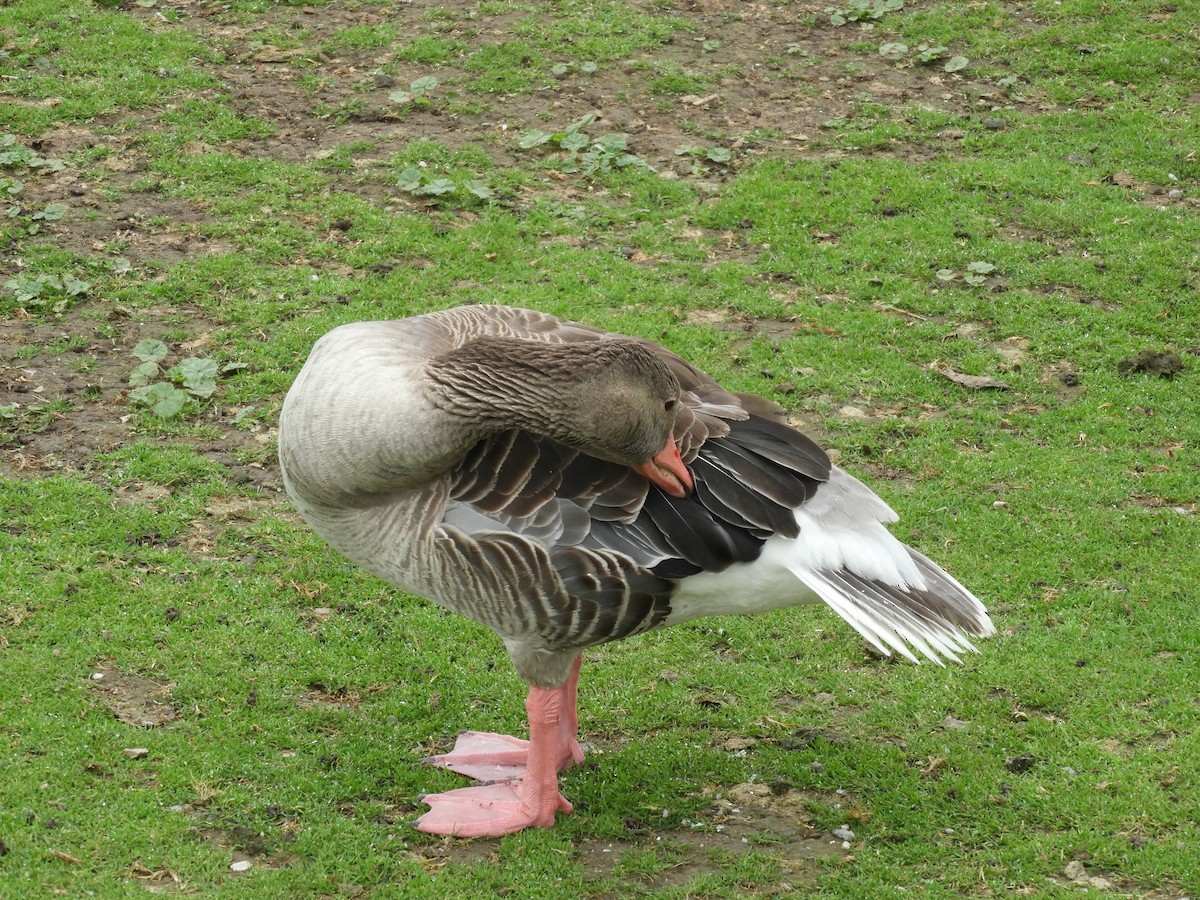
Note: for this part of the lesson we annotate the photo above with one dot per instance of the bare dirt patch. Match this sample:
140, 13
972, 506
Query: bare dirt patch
64, 391
135, 700
247, 848
340, 698
159, 881
773, 821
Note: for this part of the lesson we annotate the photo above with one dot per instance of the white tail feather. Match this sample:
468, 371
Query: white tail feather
886, 625
895, 597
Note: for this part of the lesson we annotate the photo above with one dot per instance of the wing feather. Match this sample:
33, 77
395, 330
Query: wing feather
586, 513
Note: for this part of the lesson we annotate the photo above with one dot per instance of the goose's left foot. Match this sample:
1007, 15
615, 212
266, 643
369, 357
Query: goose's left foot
491, 810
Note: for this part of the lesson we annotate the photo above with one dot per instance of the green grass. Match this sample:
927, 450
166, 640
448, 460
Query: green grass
599, 31
1075, 51
73, 62
671, 78
430, 50
509, 67
307, 692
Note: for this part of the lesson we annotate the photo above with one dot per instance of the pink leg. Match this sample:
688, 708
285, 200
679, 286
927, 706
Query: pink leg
492, 810
570, 739
489, 757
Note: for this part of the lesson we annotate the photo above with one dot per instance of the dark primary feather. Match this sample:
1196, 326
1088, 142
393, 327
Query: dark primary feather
728, 500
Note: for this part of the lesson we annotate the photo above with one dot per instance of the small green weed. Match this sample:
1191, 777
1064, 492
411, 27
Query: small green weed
508, 68
673, 79
340, 113
430, 50
54, 292
364, 37
562, 69
51, 212
720, 155
607, 153
420, 182
196, 379
975, 275
17, 418
68, 343
417, 92
924, 54
866, 11
14, 154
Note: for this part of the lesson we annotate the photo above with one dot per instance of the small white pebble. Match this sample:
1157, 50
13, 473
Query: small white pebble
242, 865
98, 676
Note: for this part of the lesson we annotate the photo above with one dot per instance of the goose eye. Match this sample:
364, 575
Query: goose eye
669, 405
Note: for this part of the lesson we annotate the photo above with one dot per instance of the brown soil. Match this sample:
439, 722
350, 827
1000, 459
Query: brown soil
135, 700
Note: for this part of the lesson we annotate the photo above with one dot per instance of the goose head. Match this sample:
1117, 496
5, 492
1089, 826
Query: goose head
612, 399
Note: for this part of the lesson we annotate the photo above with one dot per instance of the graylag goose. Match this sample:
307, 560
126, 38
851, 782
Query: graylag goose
567, 487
